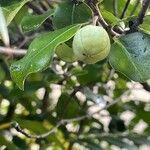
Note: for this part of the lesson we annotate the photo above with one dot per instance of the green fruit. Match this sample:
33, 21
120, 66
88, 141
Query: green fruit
91, 44
65, 53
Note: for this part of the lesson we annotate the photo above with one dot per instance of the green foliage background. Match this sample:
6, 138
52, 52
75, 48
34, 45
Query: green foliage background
56, 90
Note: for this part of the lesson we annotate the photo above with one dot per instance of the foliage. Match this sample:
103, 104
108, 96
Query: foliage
52, 99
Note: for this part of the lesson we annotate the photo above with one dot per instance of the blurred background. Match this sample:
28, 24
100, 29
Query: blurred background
69, 90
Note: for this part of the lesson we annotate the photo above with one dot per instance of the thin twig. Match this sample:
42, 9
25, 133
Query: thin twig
145, 6
125, 9
95, 7
35, 8
133, 24
101, 19
95, 18
44, 5
12, 51
61, 122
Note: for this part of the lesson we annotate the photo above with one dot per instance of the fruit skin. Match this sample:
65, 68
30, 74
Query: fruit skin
91, 44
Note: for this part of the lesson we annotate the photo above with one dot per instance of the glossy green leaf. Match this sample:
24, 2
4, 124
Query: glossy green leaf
21, 14
67, 13
40, 53
130, 55
146, 25
32, 22
11, 10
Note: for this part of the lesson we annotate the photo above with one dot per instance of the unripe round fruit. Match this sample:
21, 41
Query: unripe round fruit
91, 44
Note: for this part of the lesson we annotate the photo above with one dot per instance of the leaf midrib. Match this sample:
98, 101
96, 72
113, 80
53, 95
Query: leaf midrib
41, 51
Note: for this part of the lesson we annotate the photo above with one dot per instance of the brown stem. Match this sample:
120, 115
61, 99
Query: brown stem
11, 51
94, 6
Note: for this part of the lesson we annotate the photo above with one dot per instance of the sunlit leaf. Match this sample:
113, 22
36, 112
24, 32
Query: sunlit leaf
3, 29
40, 53
12, 9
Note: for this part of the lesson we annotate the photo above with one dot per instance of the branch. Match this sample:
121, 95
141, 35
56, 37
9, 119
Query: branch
133, 24
145, 6
35, 8
125, 9
61, 122
94, 6
11, 51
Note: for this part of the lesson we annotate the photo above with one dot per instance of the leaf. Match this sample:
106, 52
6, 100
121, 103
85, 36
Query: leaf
40, 53
110, 17
20, 143
92, 145
92, 74
72, 109
2, 74
119, 142
3, 29
139, 139
34, 126
21, 14
65, 53
32, 22
11, 10
145, 26
67, 13
4, 142
109, 6
130, 55
77, 71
